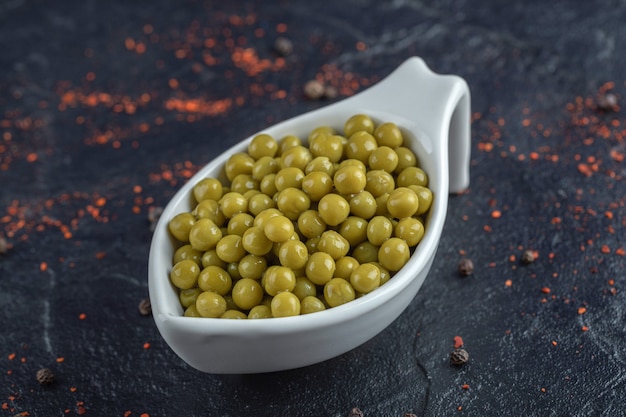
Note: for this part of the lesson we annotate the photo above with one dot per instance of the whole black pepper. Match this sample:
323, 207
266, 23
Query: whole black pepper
154, 213
459, 357
145, 307
528, 256
607, 102
314, 90
466, 267
330, 92
4, 245
283, 46
45, 376
355, 412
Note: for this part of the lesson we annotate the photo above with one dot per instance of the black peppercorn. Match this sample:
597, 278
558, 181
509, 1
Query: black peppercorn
45, 376
283, 46
466, 267
355, 412
528, 256
4, 245
314, 90
459, 357
607, 102
330, 92
145, 307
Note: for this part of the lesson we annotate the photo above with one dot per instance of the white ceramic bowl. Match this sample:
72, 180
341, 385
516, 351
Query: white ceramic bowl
434, 113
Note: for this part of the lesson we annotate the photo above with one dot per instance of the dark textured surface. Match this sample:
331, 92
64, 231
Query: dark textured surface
94, 132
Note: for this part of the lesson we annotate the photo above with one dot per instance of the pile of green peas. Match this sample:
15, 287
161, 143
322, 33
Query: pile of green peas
301, 226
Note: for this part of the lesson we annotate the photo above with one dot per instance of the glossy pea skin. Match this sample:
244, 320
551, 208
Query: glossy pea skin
379, 229
357, 123
230, 248
180, 225
255, 242
262, 145
328, 145
187, 252
247, 293
345, 266
365, 278
289, 177
333, 209
338, 291
304, 287
425, 197
410, 229
234, 315
285, 304
317, 184
184, 274
360, 146
320, 268
310, 224
349, 180
238, 163
278, 229
216, 279
292, 202
354, 230
394, 254
402, 202
210, 304
412, 176
252, 266
188, 297
209, 209
334, 244
388, 134
311, 304
260, 312
207, 189
363, 205
293, 254
278, 279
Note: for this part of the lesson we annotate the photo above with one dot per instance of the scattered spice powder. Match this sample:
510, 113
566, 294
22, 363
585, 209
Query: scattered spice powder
458, 342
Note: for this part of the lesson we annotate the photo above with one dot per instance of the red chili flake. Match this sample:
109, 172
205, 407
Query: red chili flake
73, 389
465, 386
508, 283
80, 409
543, 389
620, 252
460, 408
605, 249
545, 290
11, 356
458, 342
60, 359
101, 255
82, 316
127, 413
43, 266
146, 345
144, 415
584, 328
582, 310
496, 214
554, 343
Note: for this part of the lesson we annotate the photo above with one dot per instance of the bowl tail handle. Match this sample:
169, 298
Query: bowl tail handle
439, 105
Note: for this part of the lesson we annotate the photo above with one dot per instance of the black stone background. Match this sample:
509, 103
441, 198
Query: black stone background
526, 63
